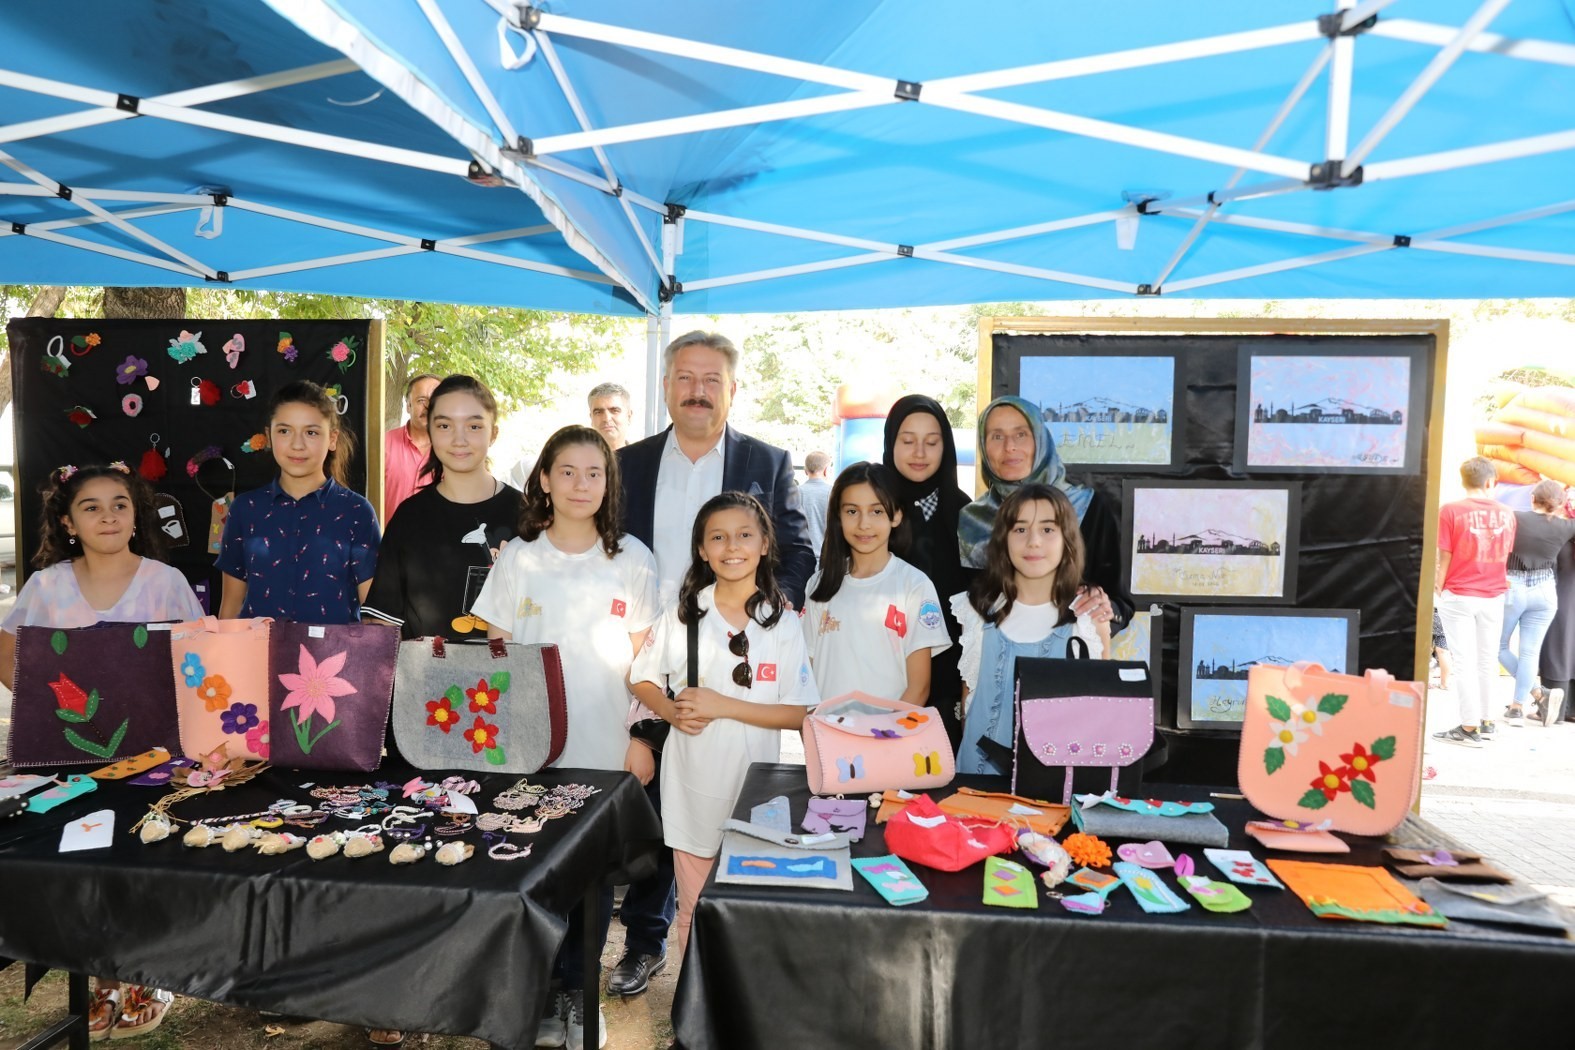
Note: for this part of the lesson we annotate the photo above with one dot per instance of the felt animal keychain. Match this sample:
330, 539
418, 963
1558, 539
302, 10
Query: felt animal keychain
1007, 884
1098, 885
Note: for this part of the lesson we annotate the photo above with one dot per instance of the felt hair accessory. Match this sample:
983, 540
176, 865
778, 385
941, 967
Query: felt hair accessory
131, 404
286, 346
219, 511
186, 346
54, 361
255, 443
81, 415
342, 353
63, 474
130, 370
1087, 850
82, 344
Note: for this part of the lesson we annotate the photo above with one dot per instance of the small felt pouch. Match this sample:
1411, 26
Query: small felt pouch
1513, 906
892, 802
1110, 816
1443, 864
1219, 897
1047, 818
1007, 884
744, 860
844, 815
1294, 837
1153, 896
1349, 891
892, 879
1242, 867
858, 743
924, 835
767, 833
330, 693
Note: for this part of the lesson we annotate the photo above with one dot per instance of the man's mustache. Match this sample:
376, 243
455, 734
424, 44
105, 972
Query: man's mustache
695, 402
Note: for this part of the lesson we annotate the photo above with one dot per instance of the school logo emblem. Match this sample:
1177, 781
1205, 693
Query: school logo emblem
930, 616
829, 623
619, 607
895, 621
766, 673
529, 607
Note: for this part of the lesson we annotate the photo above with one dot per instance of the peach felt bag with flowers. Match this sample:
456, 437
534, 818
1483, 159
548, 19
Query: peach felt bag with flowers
1337, 751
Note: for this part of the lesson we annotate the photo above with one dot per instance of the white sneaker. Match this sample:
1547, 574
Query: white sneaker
552, 1029
576, 1023
1552, 707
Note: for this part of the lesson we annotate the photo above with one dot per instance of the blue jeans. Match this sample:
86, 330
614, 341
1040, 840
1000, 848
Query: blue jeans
1530, 605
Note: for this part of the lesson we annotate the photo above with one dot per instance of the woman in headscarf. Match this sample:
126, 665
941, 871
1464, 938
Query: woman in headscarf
920, 449
1015, 448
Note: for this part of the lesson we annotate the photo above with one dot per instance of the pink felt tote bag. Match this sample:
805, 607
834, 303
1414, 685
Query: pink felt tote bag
860, 743
1335, 750
221, 687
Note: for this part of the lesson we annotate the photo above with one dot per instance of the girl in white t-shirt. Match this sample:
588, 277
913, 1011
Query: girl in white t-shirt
1020, 605
753, 677
573, 579
872, 621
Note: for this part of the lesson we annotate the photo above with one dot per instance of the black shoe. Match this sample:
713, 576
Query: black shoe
1460, 735
634, 971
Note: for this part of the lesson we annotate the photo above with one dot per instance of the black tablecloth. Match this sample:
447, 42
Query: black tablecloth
465, 950
786, 967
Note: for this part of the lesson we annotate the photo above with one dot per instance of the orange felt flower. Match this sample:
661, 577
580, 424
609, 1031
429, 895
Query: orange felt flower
215, 692
1087, 851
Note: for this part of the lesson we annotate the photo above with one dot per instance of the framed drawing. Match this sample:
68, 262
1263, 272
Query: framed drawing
1227, 541
1218, 646
1337, 407
1107, 411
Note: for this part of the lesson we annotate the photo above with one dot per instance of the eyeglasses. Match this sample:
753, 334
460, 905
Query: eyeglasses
738, 645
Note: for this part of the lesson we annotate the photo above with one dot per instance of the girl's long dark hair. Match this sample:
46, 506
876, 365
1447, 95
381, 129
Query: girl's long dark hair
536, 507
306, 392
766, 604
455, 384
999, 578
54, 541
836, 556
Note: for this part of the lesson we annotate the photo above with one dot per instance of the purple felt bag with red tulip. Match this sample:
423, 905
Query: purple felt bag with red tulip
91, 694
329, 695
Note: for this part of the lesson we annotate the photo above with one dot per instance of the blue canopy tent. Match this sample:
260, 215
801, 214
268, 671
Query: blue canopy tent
705, 157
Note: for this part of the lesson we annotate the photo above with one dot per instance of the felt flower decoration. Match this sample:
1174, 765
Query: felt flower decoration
215, 692
240, 719
1331, 780
313, 687
130, 370
192, 670
84, 343
186, 346
257, 740
482, 736
70, 696
234, 348
483, 698
255, 443
287, 347
81, 415
1087, 851
1359, 763
1309, 718
441, 713
342, 353
131, 404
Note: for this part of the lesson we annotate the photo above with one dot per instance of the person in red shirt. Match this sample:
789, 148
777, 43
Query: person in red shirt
405, 448
1475, 536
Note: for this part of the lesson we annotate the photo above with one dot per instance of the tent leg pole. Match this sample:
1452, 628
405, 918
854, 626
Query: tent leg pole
653, 372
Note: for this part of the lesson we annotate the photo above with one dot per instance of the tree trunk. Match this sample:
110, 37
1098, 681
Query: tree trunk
144, 302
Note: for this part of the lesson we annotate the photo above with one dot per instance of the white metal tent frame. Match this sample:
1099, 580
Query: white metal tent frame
503, 155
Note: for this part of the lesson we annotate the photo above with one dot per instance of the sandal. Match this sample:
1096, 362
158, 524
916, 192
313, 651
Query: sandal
385, 1036
145, 1010
103, 1013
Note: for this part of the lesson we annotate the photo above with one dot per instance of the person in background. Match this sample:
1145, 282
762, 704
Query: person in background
610, 413
1533, 597
1475, 536
1557, 668
814, 492
406, 447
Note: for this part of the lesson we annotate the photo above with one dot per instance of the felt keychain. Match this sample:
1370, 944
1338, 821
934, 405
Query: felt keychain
1148, 854
892, 879
186, 346
234, 348
54, 360
82, 344
245, 390
205, 392
1219, 897
342, 353
153, 465
81, 415
286, 346
1007, 884
774, 814
132, 765
1098, 885
130, 370
1242, 867
72, 787
1153, 896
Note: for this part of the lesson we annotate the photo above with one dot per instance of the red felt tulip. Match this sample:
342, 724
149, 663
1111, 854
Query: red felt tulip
69, 695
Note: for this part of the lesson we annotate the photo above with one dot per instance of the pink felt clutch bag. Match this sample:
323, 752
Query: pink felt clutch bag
860, 743
1339, 751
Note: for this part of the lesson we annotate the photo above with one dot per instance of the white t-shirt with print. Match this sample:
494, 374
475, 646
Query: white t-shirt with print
588, 605
703, 774
861, 639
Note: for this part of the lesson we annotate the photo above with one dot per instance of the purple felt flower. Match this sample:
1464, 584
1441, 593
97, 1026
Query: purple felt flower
130, 370
240, 718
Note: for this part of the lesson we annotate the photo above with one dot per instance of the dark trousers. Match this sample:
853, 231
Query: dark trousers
650, 904
571, 963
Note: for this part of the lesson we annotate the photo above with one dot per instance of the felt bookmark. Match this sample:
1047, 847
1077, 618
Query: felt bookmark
1007, 884
132, 765
74, 787
892, 879
1219, 897
1242, 867
1153, 896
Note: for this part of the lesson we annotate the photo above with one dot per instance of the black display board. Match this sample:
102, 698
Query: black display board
59, 368
1363, 536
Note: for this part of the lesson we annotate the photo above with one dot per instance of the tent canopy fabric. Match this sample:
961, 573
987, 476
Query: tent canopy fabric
617, 156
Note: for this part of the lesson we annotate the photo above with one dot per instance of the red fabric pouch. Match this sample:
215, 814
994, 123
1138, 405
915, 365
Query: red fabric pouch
921, 833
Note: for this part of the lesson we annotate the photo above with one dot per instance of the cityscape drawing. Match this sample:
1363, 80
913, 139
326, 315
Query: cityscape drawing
1225, 646
1333, 411
1194, 540
1107, 409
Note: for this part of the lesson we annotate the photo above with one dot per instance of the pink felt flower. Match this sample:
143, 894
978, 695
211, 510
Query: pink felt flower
314, 688
257, 740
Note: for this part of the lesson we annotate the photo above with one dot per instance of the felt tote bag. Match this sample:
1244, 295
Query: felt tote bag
860, 743
91, 694
1073, 713
1338, 751
330, 688
221, 687
493, 708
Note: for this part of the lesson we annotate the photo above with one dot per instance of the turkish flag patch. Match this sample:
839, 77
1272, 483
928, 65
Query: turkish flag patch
896, 621
619, 607
766, 673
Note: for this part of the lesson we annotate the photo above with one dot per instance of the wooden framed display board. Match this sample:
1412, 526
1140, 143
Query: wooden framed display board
157, 394
1347, 413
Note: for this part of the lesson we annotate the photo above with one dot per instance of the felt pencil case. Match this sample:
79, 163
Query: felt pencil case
1142, 820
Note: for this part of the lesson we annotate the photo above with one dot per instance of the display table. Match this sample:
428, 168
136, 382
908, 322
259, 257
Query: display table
786, 967
464, 950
